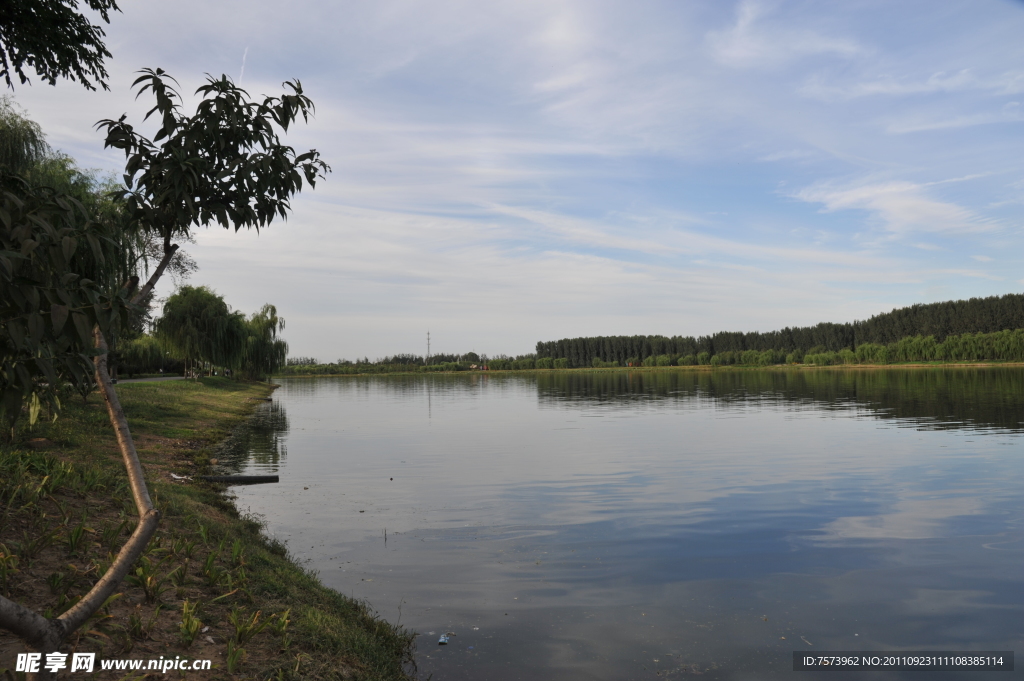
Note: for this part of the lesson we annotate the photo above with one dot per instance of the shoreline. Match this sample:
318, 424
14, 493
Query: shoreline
699, 367
206, 552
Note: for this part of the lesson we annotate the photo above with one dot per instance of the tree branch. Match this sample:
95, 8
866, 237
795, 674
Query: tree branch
169, 251
40, 633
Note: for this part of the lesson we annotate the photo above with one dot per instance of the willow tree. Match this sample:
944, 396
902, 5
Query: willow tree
198, 325
264, 352
223, 165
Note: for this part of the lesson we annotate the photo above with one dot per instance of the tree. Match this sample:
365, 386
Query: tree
227, 165
198, 325
264, 353
22, 144
224, 165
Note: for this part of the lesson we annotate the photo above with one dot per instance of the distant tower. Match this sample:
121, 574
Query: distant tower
428, 348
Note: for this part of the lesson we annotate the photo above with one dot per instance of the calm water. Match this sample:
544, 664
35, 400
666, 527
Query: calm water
610, 525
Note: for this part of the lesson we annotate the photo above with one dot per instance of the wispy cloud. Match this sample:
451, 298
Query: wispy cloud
754, 41
898, 206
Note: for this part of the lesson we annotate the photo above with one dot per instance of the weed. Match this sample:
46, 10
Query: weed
204, 532
235, 656
74, 539
247, 626
29, 548
212, 573
179, 575
8, 566
58, 583
136, 628
146, 578
111, 533
280, 622
63, 509
190, 624
237, 554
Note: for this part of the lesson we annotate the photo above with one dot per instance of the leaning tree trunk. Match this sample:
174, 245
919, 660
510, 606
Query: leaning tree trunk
47, 635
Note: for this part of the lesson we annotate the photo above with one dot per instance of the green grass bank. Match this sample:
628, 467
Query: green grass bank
211, 584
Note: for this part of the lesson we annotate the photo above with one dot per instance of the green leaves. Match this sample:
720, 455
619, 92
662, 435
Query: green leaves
55, 40
47, 276
224, 165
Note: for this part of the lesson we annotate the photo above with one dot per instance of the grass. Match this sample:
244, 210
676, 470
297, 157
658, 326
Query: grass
66, 509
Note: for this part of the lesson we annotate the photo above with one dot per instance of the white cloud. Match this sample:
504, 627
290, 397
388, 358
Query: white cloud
981, 258
1005, 83
1009, 113
898, 206
753, 42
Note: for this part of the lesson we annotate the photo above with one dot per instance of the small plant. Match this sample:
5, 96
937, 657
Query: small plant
212, 573
111, 533
145, 577
246, 626
8, 566
88, 481
29, 548
279, 626
235, 656
136, 628
179, 575
63, 509
59, 583
204, 532
190, 624
280, 622
237, 554
74, 539
155, 546
182, 547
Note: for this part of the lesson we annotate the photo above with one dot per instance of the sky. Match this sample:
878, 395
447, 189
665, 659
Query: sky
516, 171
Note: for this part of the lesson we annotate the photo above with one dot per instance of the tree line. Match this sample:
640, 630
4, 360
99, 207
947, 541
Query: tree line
199, 332
936, 320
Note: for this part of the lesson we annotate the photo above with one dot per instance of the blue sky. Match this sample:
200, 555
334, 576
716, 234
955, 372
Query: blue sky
508, 172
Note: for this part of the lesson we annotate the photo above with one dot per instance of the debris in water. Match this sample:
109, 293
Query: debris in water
443, 641
478, 629
804, 639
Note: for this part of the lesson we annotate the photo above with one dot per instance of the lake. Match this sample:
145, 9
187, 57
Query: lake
657, 524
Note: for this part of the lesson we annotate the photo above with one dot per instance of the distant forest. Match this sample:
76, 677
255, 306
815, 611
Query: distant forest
937, 320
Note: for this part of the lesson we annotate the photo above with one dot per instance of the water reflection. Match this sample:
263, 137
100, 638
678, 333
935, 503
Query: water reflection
987, 397
259, 443
614, 525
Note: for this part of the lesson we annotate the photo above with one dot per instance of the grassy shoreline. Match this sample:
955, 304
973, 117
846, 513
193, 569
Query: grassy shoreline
65, 509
